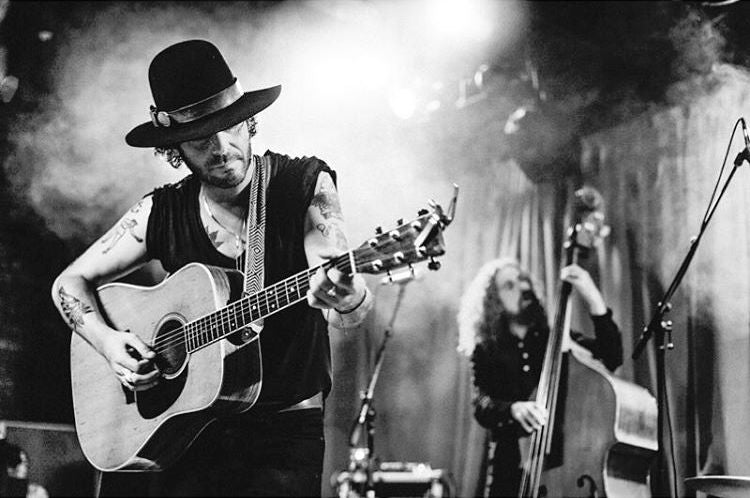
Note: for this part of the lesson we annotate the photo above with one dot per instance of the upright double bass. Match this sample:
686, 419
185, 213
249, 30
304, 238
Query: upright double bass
600, 439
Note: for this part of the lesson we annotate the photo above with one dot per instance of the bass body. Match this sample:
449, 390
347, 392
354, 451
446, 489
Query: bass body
607, 434
148, 430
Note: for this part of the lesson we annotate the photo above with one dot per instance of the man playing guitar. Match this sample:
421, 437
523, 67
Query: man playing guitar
203, 118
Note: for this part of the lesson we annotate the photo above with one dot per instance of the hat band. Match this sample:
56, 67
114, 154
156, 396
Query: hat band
192, 112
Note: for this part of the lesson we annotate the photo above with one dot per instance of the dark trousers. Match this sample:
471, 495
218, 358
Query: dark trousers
501, 475
279, 454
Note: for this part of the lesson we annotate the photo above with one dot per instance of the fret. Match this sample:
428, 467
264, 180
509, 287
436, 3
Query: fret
229, 319
186, 337
263, 303
254, 310
221, 328
273, 302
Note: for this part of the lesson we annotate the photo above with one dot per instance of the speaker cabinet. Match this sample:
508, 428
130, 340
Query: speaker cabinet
55, 457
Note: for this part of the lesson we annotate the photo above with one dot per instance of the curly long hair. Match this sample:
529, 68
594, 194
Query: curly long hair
481, 311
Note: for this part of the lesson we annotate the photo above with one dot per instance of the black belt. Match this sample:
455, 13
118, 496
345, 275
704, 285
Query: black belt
315, 401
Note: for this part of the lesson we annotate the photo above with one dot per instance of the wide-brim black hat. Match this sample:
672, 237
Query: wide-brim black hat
195, 95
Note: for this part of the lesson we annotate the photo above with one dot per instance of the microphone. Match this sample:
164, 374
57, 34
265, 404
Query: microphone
745, 154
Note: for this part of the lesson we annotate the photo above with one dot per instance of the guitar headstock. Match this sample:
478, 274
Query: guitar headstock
418, 240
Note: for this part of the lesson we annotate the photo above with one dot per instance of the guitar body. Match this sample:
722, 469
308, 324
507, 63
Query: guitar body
608, 430
148, 430
198, 322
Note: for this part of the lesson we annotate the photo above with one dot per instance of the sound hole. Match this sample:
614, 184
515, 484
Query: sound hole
171, 346
172, 362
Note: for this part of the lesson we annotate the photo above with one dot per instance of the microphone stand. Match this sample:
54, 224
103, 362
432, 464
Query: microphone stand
359, 458
661, 328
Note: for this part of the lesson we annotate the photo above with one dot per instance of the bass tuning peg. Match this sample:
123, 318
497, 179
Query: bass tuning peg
434, 264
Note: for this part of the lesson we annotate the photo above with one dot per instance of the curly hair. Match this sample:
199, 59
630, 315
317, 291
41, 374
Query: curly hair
481, 310
174, 158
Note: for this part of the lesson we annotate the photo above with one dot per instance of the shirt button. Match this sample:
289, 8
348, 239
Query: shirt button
525, 355
525, 368
520, 344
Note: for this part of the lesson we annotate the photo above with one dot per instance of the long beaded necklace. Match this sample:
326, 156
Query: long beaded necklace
238, 242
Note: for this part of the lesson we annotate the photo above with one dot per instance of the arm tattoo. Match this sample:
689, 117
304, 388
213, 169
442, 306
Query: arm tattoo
332, 229
73, 308
137, 207
114, 236
125, 225
327, 201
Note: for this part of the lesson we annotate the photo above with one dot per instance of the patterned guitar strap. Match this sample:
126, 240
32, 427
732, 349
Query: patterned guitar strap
256, 237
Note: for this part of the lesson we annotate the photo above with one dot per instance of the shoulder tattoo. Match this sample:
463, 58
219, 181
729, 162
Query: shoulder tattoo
327, 200
126, 225
335, 231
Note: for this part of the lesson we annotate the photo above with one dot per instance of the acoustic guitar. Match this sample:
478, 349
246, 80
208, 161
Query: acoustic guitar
197, 322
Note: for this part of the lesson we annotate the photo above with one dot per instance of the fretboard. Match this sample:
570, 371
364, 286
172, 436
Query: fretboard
241, 313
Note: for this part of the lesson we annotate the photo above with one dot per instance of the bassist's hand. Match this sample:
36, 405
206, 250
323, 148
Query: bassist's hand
529, 414
131, 360
582, 282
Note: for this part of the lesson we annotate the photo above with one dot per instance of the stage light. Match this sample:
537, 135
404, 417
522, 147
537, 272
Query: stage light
480, 76
512, 124
461, 18
403, 103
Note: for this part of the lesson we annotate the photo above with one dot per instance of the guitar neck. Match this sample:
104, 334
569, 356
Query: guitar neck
241, 313
408, 243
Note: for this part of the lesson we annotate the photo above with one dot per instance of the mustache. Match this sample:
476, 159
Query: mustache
223, 159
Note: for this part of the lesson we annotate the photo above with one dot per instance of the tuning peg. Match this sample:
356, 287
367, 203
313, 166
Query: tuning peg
434, 264
422, 212
378, 230
394, 234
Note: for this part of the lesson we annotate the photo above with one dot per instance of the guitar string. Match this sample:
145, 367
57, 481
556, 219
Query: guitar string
209, 322
197, 328
262, 299
178, 335
205, 329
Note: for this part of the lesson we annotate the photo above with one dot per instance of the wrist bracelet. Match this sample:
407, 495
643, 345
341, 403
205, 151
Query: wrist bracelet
364, 296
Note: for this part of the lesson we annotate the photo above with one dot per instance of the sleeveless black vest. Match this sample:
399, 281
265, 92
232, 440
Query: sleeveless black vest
294, 342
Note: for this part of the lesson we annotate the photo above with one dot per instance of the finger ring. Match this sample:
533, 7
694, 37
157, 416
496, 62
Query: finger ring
331, 292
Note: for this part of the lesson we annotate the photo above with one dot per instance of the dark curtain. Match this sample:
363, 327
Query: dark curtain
657, 173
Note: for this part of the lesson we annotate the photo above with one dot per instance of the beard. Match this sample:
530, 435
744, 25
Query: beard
17, 487
532, 313
223, 177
